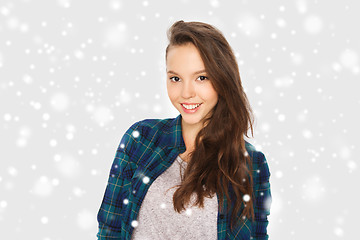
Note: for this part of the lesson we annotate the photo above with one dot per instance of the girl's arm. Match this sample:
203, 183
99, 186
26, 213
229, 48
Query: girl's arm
262, 198
109, 215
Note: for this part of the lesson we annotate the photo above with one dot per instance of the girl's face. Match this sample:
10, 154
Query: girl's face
187, 82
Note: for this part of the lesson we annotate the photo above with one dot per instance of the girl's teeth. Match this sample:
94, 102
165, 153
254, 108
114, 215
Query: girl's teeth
191, 106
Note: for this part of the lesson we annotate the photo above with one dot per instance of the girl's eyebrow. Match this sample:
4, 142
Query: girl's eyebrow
197, 72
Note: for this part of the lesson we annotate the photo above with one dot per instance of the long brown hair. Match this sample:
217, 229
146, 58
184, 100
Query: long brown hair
219, 159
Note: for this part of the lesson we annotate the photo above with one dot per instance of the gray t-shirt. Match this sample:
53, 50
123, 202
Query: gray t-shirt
157, 218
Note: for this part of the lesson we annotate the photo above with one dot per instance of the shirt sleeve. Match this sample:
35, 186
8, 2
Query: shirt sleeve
263, 198
109, 216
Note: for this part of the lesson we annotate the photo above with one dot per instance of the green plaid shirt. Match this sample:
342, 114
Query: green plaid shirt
145, 151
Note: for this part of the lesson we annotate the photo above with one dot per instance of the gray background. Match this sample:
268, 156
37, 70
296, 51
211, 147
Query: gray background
74, 75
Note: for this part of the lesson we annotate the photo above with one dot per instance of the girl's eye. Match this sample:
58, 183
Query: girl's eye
203, 78
174, 77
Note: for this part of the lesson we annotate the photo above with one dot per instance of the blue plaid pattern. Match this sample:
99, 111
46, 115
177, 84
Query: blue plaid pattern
145, 151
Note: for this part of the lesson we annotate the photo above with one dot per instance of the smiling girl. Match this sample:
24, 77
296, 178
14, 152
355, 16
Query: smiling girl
193, 176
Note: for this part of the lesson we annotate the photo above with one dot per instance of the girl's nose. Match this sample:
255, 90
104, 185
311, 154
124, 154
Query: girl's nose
188, 90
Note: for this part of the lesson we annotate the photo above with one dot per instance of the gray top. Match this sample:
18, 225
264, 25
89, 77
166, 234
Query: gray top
157, 218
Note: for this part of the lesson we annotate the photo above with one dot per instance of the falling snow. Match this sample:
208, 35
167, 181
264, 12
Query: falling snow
75, 75
86, 219
246, 197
